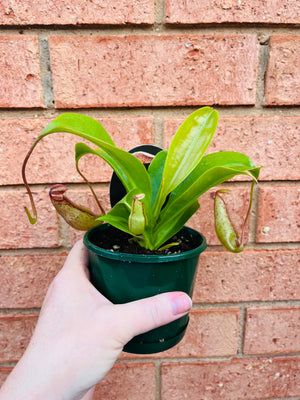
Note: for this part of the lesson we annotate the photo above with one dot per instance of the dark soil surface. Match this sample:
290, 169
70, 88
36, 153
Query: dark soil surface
121, 242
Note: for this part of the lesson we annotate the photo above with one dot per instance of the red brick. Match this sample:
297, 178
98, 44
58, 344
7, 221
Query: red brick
279, 214
14, 12
26, 278
203, 220
283, 71
254, 275
128, 381
15, 333
159, 70
16, 230
272, 330
256, 11
271, 142
210, 333
238, 379
53, 159
20, 82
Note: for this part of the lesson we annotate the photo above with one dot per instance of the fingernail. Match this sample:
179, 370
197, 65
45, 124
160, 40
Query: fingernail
181, 304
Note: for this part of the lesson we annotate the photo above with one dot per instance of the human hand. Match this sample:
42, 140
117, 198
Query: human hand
80, 334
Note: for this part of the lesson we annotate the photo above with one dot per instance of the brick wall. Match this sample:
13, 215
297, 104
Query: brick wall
141, 67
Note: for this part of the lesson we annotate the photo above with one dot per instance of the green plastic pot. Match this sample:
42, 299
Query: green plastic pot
123, 277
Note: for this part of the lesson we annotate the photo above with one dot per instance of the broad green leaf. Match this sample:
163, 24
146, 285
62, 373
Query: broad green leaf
76, 124
155, 171
186, 150
188, 146
133, 173
129, 169
119, 214
165, 231
80, 125
184, 198
81, 149
229, 159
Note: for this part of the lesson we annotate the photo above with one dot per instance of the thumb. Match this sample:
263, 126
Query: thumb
143, 315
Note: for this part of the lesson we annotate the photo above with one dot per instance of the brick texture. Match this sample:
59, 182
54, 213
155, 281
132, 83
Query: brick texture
256, 11
53, 160
26, 278
210, 333
156, 70
20, 75
254, 275
15, 333
233, 379
140, 67
16, 230
279, 214
14, 12
122, 381
272, 330
271, 142
283, 76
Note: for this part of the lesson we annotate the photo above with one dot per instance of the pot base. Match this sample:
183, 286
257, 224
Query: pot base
141, 347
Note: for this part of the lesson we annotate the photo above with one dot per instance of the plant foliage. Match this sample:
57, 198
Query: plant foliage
160, 200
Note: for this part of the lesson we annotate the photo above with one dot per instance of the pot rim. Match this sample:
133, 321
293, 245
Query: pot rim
145, 258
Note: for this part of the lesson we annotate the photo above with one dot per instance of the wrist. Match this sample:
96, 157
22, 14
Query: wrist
33, 379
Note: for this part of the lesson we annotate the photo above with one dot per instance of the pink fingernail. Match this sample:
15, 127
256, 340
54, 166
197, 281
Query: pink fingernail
181, 304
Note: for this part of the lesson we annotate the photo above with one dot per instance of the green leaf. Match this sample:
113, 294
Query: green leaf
188, 146
186, 150
80, 125
81, 149
129, 169
165, 231
118, 216
226, 159
200, 180
134, 172
73, 123
155, 171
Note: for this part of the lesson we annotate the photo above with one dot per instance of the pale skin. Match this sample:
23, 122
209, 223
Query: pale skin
80, 334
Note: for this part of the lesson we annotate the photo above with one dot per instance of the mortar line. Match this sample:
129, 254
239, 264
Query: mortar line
279, 304
162, 111
157, 364
159, 14
242, 327
247, 357
158, 130
46, 73
105, 185
149, 29
261, 71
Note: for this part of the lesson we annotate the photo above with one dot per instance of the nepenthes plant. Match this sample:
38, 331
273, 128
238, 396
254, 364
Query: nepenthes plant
159, 199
